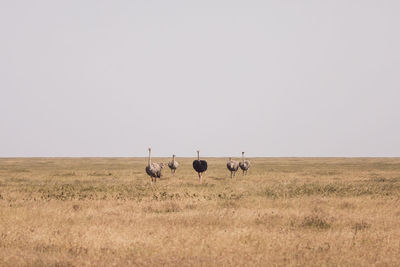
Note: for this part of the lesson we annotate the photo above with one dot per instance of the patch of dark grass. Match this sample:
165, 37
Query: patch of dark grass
385, 180
21, 180
268, 219
233, 204
231, 195
359, 226
88, 192
99, 174
217, 178
346, 205
327, 172
65, 174
315, 221
294, 190
190, 206
165, 207
21, 170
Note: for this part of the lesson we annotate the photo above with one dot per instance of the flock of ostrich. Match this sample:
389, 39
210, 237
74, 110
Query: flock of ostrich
154, 169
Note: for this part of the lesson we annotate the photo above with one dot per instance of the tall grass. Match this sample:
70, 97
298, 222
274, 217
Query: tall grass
286, 211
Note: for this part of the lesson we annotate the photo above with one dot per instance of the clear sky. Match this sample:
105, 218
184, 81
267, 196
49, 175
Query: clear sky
272, 78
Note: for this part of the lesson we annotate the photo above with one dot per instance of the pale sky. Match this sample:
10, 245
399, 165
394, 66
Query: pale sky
272, 78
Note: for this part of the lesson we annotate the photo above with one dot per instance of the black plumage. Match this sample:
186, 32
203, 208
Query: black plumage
200, 165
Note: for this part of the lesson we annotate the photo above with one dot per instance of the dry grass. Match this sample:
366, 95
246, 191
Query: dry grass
288, 211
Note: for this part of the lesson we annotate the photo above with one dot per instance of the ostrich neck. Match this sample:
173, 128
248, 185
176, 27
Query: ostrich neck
198, 156
149, 163
173, 159
242, 157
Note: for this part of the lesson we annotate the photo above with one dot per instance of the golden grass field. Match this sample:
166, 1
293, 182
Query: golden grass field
285, 212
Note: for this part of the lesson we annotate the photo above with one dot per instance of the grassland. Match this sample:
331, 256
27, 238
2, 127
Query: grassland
286, 211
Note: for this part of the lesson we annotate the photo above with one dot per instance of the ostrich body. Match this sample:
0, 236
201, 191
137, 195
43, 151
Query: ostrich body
244, 164
173, 165
200, 166
232, 166
154, 169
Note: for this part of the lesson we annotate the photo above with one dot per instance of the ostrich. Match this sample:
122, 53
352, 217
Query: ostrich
244, 164
173, 165
154, 169
233, 166
200, 166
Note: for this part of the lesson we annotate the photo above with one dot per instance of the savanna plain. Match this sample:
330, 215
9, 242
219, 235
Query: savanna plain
285, 212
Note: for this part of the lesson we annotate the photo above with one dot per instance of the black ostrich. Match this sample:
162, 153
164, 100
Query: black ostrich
199, 166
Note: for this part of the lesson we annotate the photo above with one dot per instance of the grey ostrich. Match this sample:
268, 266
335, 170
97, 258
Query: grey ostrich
232, 166
173, 165
154, 169
244, 164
